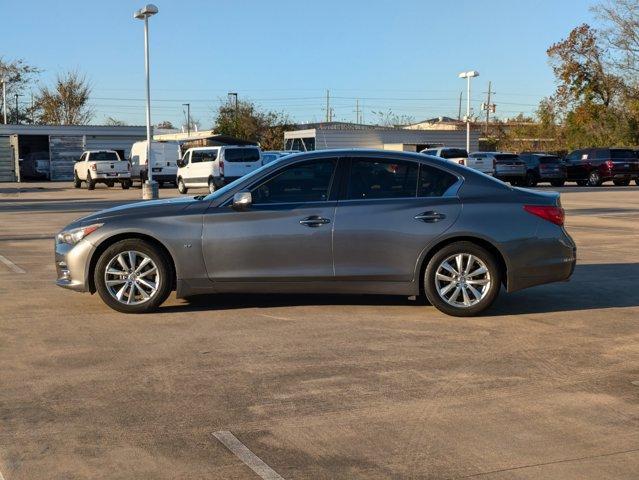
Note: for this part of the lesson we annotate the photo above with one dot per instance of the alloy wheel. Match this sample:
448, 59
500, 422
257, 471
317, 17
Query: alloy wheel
462, 280
131, 277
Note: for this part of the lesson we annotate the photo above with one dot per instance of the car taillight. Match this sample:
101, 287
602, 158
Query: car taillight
462, 161
94, 167
555, 215
609, 164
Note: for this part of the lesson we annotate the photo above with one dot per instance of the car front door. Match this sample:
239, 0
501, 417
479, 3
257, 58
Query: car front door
391, 211
286, 233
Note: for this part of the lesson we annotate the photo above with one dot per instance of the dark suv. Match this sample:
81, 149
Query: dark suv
543, 167
593, 166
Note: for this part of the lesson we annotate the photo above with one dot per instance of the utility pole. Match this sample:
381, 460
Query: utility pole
488, 107
188, 118
4, 99
357, 111
460, 105
17, 112
329, 116
32, 110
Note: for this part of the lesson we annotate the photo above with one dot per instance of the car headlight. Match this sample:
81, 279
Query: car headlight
74, 235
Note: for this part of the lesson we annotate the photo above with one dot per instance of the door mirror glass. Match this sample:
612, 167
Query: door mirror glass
242, 200
180, 163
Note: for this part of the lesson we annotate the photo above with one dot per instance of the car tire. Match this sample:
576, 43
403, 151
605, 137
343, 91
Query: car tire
637, 181
161, 281
531, 180
621, 183
558, 183
436, 287
77, 183
582, 183
90, 182
126, 184
161, 184
594, 179
211, 185
181, 187
110, 184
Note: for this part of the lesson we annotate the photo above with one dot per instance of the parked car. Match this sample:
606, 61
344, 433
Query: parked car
101, 166
214, 167
458, 155
594, 166
543, 167
165, 156
509, 168
482, 161
329, 221
36, 165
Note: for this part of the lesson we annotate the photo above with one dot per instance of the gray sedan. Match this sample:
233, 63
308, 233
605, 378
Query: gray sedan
332, 221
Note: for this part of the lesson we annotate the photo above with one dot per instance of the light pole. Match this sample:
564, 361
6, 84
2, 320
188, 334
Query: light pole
4, 100
188, 118
468, 75
150, 188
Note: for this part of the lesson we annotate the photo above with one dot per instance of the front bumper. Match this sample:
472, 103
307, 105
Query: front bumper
72, 265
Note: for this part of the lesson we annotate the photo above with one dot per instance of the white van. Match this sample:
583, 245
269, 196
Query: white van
214, 167
165, 157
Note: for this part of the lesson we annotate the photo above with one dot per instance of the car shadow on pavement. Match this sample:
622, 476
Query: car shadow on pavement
593, 286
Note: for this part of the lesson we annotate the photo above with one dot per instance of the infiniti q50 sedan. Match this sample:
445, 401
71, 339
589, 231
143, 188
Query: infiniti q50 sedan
332, 221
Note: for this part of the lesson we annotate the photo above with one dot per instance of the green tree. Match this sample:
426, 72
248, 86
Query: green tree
248, 122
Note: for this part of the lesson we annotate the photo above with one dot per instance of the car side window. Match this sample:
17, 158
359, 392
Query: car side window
433, 182
379, 178
299, 183
208, 155
196, 156
82, 157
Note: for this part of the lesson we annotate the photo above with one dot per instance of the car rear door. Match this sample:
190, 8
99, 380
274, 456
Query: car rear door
286, 234
390, 210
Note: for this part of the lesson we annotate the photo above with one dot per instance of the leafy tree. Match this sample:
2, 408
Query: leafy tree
17, 74
250, 123
67, 103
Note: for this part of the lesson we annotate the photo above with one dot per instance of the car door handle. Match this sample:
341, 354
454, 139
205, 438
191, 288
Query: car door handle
314, 221
430, 217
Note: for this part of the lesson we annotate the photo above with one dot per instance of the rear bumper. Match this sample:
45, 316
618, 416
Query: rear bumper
164, 177
104, 177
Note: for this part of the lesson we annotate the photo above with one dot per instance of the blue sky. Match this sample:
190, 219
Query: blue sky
404, 54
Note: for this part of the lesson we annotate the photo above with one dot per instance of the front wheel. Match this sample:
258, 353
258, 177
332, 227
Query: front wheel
133, 276
582, 183
621, 183
90, 182
462, 279
181, 186
531, 180
77, 183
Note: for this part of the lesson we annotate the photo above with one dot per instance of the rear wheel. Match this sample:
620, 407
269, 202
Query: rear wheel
462, 279
126, 184
557, 183
181, 186
110, 184
594, 179
621, 183
133, 276
531, 180
90, 182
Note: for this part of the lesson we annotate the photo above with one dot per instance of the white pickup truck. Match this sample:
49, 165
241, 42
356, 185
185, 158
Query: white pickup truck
101, 166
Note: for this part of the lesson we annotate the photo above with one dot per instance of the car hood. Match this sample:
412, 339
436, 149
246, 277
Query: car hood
138, 209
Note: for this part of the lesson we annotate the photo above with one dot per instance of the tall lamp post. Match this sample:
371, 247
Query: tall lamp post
150, 188
468, 75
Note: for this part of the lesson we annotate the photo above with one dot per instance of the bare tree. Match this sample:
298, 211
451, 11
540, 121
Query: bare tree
620, 33
114, 122
67, 103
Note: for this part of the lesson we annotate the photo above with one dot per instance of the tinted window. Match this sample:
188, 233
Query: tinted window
621, 154
308, 182
506, 157
600, 154
373, 178
103, 156
549, 159
574, 156
241, 155
433, 182
198, 156
454, 153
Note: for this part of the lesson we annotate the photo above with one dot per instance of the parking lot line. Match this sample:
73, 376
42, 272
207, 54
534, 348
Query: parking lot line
247, 457
13, 267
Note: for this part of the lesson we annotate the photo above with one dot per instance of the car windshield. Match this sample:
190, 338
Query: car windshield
103, 156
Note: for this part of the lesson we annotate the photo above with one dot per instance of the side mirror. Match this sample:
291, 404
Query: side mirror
242, 201
180, 163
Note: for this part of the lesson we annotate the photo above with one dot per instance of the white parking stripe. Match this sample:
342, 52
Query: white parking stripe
242, 452
13, 267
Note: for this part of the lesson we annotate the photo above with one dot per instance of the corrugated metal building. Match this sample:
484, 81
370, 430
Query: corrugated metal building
329, 135
63, 143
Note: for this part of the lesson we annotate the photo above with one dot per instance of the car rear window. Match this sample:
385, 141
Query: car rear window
617, 154
501, 157
103, 156
549, 159
454, 153
433, 182
242, 155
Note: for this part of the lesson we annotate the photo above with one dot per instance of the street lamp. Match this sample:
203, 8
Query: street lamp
150, 188
468, 75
